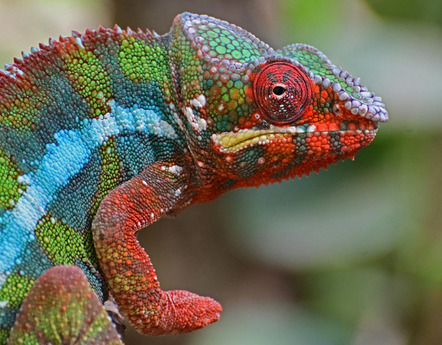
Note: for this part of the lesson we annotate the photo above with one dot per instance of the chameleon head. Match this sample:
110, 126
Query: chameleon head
270, 115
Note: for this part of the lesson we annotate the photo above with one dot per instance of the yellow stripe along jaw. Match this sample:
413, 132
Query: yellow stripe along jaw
229, 142
235, 141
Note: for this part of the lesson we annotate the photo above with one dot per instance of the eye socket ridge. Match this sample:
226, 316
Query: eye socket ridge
282, 92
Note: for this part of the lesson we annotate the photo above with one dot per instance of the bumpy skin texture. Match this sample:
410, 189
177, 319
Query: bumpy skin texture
103, 133
62, 308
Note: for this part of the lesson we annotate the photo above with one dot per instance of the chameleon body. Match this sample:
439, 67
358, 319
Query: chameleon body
103, 133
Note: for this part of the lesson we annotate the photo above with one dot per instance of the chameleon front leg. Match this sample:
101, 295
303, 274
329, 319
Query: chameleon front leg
62, 308
127, 268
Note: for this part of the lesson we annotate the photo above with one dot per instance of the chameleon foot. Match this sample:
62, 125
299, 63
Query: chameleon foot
128, 269
181, 311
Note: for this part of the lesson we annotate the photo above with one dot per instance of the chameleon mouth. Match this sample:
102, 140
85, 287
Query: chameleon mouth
229, 142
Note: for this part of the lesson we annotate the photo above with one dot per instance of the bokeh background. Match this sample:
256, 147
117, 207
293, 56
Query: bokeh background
351, 256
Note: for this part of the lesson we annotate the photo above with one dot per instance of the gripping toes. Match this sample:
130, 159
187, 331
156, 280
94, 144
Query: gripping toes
180, 311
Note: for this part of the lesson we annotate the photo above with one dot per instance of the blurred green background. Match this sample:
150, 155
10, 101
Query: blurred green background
351, 256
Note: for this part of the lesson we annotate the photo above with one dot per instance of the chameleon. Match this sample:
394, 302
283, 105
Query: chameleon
105, 132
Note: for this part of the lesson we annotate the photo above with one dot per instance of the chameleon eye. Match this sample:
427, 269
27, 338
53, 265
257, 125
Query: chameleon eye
282, 92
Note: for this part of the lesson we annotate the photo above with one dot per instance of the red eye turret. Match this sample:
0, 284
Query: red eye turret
282, 92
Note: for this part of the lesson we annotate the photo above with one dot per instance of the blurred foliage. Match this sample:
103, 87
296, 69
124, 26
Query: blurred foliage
427, 11
351, 256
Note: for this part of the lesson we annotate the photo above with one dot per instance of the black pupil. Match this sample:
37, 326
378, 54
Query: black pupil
278, 90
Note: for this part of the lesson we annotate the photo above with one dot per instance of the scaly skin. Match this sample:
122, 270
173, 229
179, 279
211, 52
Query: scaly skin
103, 133
62, 307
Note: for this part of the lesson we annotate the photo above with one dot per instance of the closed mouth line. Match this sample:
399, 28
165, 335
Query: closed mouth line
234, 141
